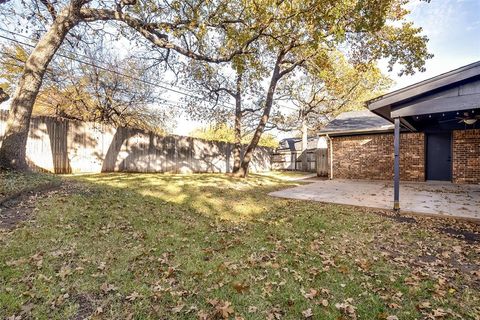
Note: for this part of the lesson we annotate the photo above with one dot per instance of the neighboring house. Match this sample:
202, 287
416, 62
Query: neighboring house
295, 144
438, 125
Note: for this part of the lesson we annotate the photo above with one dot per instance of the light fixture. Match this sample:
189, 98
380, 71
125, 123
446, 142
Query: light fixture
470, 121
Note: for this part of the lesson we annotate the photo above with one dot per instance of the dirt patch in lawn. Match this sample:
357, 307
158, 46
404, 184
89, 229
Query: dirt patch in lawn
85, 306
468, 236
397, 217
19, 206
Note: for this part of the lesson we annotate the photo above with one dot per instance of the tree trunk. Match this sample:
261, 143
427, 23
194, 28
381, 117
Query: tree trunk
304, 144
247, 157
13, 149
3, 96
237, 148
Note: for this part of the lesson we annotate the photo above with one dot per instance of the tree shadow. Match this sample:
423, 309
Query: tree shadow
67, 146
47, 149
209, 195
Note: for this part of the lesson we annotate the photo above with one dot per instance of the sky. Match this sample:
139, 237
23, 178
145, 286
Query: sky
453, 27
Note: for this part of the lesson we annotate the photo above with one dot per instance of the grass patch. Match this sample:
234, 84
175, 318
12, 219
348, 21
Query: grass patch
13, 182
150, 246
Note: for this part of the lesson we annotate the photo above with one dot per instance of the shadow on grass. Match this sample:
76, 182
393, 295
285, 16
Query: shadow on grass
213, 195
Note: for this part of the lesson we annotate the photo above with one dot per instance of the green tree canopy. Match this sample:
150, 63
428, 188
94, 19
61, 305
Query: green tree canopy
225, 133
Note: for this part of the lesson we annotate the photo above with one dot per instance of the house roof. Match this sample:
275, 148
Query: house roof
382, 105
295, 144
356, 122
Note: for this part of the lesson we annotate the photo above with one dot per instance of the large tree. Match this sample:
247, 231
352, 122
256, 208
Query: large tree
297, 35
175, 26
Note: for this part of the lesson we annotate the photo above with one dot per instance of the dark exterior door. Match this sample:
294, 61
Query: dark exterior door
439, 156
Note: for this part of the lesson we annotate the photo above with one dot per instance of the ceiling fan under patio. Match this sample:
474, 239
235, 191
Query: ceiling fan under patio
467, 118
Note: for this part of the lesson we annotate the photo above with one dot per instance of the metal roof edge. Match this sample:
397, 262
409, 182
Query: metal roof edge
355, 132
426, 82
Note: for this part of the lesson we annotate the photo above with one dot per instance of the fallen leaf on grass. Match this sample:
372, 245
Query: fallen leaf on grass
133, 296
347, 308
439, 313
275, 313
106, 288
424, 305
252, 309
240, 287
202, 315
64, 272
312, 293
222, 308
307, 313
15, 263
178, 308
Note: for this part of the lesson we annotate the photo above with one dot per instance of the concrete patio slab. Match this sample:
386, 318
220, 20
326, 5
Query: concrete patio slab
430, 198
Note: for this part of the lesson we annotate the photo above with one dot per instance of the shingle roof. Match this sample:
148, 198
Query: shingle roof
296, 143
356, 122
352, 122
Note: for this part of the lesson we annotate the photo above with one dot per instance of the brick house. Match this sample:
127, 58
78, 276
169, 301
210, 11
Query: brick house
427, 131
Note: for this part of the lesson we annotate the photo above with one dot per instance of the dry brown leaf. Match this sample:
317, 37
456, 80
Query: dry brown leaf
307, 313
178, 308
133, 296
240, 287
224, 309
252, 309
312, 293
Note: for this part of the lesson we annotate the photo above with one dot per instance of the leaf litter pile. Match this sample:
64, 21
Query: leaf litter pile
145, 246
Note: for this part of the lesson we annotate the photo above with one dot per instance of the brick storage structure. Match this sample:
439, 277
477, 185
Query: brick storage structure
466, 156
371, 157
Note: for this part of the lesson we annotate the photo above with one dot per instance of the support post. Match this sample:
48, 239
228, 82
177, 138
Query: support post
396, 165
330, 157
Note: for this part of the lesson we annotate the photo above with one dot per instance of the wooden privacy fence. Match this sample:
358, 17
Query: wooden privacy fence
292, 160
65, 146
317, 160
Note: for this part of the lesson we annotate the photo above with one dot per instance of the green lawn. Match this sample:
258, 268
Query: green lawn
153, 246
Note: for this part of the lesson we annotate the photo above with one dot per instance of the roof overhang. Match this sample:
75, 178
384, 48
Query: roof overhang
457, 103
355, 132
405, 102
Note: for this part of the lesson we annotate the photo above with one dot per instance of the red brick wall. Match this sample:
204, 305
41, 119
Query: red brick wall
371, 157
466, 156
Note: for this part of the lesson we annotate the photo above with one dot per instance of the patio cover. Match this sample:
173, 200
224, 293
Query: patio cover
431, 102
